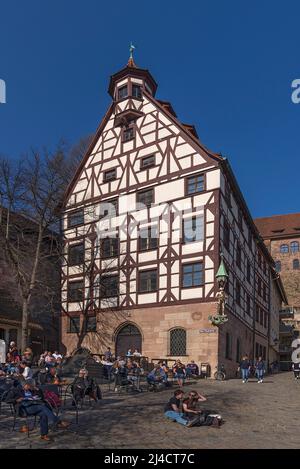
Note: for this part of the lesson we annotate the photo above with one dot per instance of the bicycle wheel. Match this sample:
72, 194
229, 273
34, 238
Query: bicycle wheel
219, 375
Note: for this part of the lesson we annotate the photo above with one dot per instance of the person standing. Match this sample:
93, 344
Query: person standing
260, 369
245, 367
179, 372
108, 356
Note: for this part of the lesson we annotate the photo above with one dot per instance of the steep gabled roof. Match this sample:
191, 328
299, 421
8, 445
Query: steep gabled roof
167, 109
183, 127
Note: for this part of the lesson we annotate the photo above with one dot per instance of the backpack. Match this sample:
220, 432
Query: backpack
52, 398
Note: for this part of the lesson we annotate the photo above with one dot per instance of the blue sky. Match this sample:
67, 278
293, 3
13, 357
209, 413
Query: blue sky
226, 66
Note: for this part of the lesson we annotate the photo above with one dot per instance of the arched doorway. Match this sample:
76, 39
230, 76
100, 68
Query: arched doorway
128, 337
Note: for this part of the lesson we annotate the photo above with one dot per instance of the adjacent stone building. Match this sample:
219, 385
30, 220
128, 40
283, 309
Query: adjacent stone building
281, 234
145, 220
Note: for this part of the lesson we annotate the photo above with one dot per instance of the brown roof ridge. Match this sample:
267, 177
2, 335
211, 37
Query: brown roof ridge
168, 105
196, 140
191, 128
274, 216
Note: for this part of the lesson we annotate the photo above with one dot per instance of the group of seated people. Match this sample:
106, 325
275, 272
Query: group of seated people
30, 399
20, 365
127, 371
185, 410
160, 373
32, 396
48, 359
14, 357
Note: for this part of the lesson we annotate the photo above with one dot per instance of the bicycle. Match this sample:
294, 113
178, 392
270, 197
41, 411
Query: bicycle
220, 374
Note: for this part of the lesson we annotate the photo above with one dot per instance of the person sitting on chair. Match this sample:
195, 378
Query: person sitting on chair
134, 372
120, 371
156, 376
192, 369
52, 376
83, 385
27, 356
29, 401
25, 370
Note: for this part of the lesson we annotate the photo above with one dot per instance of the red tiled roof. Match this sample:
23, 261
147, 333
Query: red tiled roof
279, 226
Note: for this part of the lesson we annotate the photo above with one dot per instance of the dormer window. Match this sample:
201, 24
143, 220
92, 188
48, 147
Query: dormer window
128, 134
136, 91
123, 92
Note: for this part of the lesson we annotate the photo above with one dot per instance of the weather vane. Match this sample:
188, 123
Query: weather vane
131, 49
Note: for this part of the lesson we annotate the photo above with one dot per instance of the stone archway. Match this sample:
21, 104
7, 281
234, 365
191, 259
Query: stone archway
128, 337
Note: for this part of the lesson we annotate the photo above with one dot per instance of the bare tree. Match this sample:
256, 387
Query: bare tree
30, 192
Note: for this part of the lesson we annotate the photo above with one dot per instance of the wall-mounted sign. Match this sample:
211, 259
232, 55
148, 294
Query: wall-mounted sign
208, 331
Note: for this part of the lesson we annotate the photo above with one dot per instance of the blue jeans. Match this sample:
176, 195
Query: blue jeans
171, 414
45, 414
245, 374
260, 374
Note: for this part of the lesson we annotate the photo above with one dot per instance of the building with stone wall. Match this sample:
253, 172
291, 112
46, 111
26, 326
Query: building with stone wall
145, 220
281, 234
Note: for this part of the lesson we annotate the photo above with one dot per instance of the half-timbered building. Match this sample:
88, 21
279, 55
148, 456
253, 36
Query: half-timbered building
145, 219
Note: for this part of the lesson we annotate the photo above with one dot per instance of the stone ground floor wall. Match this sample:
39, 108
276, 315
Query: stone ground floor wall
204, 342
241, 340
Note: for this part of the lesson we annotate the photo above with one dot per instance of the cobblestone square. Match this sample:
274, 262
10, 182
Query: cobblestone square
256, 416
